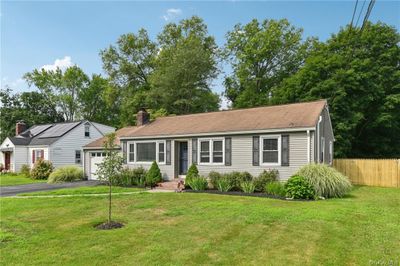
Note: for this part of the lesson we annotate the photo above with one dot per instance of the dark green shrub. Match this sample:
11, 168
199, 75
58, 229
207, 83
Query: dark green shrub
25, 170
236, 178
130, 177
275, 188
247, 186
264, 178
327, 181
297, 187
66, 174
197, 183
213, 177
41, 169
192, 173
224, 185
153, 176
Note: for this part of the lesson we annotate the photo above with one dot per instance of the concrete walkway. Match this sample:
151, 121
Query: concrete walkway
14, 190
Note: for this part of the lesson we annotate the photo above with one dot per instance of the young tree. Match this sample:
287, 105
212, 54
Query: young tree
358, 72
262, 55
110, 167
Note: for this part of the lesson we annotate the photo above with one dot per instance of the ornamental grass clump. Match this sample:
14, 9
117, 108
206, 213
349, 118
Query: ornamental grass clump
65, 174
197, 183
247, 186
326, 181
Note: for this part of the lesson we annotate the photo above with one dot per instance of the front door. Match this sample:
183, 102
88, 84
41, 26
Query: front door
7, 160
183, 158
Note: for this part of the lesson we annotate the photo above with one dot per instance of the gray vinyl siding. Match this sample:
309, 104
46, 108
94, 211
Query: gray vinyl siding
62, 152
242, 157
325, 131
20, 156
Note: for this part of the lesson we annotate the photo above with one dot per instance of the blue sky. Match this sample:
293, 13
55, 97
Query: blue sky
36, 34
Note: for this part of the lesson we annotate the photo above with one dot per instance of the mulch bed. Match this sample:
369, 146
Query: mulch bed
240, 193
109, 225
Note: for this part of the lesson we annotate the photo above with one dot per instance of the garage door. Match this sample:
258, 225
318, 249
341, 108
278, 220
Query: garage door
95, 159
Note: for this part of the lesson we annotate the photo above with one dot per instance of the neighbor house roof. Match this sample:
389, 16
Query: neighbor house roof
45, 134
297, 115
98, 143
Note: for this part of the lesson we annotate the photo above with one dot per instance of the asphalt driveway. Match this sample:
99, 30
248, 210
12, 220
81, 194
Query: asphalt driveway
14, 190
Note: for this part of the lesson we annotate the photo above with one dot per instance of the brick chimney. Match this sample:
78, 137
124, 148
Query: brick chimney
142, 117
20, 127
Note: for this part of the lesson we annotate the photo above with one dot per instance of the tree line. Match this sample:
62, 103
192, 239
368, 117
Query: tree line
356, 70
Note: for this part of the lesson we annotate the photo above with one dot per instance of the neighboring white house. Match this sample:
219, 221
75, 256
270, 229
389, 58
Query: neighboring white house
282, 137
60, 143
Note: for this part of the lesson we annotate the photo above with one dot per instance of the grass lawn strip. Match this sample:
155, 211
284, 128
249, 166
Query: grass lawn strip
192, 228
14, 180
93, 190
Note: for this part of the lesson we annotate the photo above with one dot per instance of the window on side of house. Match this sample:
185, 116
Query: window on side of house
204, 151
218, 152
131, 152
161, 152
322, 159
87, 130
330, 152
271, 150
211, 151
78, 157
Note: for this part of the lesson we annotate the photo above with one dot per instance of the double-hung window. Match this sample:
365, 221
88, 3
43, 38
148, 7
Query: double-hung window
87, 130
78, 157
211, 151
270, 150
146, 151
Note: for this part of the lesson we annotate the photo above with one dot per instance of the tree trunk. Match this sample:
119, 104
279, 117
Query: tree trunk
109, 203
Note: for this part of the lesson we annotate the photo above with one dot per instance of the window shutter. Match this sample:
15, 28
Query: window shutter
33, 156
285, 150
228, 151
194, 151
168, 152
256, 150
124, 151
42, 154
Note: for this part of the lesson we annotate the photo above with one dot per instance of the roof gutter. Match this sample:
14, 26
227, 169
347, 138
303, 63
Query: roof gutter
297, 129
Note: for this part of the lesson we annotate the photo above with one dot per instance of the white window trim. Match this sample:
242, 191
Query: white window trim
136, 153
211, 145
262, 149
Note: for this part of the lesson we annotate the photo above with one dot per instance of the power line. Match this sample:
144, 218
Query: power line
370, 6
354, 12
359, 15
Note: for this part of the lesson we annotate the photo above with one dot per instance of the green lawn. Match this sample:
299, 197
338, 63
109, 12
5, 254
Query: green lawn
83, 190
13, 180
191, 228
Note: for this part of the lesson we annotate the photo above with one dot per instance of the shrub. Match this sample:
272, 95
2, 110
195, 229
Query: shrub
25, 170
327, 181
297, 187
264, 178
214, 177
223, 185
130, 177
197, 183
41, 169
192, 173
236, 178
247, 186
275, 188
66, 174
153, 176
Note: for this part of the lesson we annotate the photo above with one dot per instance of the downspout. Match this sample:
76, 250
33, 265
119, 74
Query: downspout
318, 138
308, 146
83, 163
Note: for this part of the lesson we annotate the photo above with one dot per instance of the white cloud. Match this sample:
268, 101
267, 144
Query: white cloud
60, 63
172, 13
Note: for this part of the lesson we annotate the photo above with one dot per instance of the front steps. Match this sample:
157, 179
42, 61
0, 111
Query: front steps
170, 185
